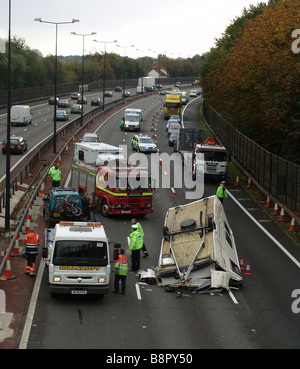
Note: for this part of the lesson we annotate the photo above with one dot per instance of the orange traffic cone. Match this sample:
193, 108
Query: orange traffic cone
292, 225
27, 224
237, 181
249, 185
67, 149
59, 159
42, 189
275, 212
242, 263
30, 211
247, 271
7, 272
17, 250
173, 191
73, 140
282, 218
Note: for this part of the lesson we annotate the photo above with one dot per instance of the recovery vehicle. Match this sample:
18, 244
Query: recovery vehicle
205, 154
77, 256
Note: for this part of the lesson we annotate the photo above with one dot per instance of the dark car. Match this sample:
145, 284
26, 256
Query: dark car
149, 89
17, 145
118, 89
52, 100
63, 103
62, 204
96, 101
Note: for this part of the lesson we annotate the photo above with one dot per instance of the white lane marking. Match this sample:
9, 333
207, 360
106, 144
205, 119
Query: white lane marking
232, 297
31, 310
265, 231
138, 292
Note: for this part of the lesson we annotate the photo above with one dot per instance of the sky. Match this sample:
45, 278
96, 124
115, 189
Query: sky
176, 28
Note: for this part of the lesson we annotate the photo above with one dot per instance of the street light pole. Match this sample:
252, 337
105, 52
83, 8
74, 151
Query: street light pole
7, 179
82, 73
55, 73
124, 47
104, 78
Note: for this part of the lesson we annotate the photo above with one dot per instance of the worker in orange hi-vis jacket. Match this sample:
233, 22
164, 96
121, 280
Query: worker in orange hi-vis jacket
32, 241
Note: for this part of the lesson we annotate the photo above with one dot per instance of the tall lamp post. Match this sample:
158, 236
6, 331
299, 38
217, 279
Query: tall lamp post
124, 47
7, 180
82, 73
55, 78
104, 78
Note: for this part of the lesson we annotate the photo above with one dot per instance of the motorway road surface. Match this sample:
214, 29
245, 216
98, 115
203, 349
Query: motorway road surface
259, 315
42, 124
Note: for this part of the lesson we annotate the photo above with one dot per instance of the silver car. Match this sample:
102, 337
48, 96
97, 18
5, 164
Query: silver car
61, 115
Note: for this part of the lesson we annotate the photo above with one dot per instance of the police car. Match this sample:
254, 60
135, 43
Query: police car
143, 144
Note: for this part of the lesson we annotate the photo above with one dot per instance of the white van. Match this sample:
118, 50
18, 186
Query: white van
20, 114
135, 111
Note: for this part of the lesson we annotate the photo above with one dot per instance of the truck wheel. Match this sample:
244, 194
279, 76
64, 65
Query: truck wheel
104, 208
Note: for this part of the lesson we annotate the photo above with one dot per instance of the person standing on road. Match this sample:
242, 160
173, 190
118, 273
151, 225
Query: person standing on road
95, 207
56, 176
121, 271
86, 206
122, 124
136, 243
32, 241
51, 170
140, 229
221, 192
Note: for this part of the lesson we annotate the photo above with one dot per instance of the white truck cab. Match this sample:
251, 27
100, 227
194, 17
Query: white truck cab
77, 255
133, 119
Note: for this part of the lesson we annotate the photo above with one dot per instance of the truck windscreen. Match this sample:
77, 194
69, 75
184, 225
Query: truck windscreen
214, 155
133, 182
170, 105
80, 253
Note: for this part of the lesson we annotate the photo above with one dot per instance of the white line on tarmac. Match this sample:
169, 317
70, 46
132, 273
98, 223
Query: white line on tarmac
232, 297
265, 231
31, 310
138, 292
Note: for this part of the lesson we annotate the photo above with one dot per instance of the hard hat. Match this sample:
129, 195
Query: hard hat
31, 229
134, 226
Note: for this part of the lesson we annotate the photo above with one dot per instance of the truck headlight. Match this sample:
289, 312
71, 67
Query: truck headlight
148, 206
56, 279
118, 206
101, 280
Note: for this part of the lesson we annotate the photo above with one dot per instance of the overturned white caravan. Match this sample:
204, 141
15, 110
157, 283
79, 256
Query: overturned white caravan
198, 248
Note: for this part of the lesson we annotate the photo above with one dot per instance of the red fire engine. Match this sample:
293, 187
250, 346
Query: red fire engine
121, 190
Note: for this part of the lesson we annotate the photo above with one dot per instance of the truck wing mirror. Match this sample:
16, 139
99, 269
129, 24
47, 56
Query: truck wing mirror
45, 252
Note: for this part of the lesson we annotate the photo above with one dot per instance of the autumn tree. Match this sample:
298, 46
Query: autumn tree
254, 81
